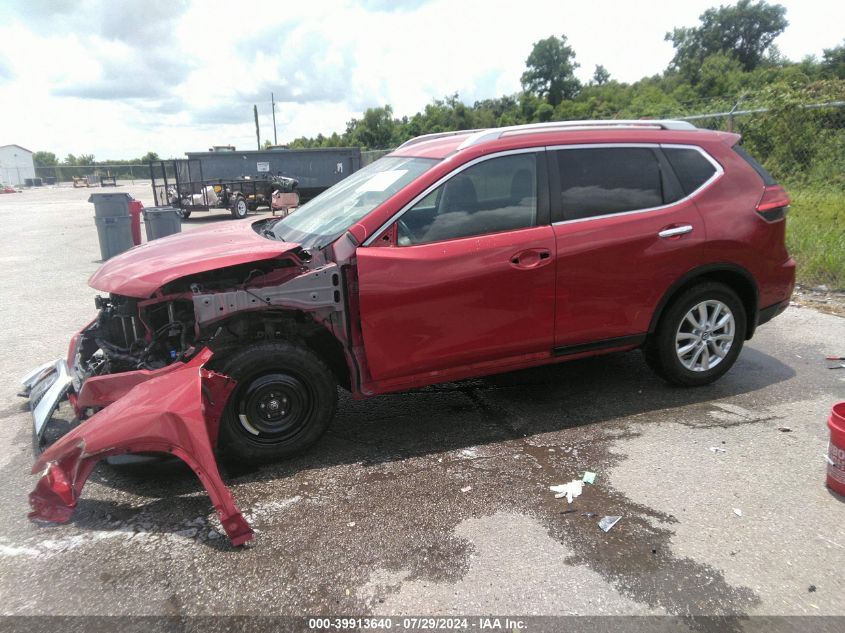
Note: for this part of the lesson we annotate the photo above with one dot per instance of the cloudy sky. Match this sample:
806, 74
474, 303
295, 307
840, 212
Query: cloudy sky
119, 78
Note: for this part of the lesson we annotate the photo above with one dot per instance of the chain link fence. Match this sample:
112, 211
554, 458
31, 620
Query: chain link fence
800, 144
67, 174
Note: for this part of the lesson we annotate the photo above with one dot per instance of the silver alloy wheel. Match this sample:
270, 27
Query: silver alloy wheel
705, 335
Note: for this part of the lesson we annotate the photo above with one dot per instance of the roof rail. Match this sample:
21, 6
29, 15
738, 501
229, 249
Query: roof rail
491, 134
434, 135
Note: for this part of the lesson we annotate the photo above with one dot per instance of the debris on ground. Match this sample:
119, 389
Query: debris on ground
738, 512
784, 429
466, 488
589, 478
350, 524
589, 514
834, 357
570, 491
608, 522
811, 589
716, 449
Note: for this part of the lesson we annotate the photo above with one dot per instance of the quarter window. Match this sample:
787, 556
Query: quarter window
496, 195
692, 169
602, 181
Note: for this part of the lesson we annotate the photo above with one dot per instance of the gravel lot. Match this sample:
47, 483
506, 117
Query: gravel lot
437, 501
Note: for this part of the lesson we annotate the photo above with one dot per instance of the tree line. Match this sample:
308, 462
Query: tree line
728, 60
49, 159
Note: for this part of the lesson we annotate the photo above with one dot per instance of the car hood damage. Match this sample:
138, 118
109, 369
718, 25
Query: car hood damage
142, 270
175, 412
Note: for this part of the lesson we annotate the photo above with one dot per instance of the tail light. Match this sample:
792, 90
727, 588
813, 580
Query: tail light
774, 203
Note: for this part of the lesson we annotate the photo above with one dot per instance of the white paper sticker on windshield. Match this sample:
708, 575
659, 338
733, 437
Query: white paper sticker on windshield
382, 180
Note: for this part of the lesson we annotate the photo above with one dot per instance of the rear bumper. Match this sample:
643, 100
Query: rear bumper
775, 293
767, 314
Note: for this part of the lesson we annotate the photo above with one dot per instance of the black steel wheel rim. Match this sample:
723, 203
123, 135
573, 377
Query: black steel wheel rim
274, 408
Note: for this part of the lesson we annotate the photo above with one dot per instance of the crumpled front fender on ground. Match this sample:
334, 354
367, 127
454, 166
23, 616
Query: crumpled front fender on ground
176, 413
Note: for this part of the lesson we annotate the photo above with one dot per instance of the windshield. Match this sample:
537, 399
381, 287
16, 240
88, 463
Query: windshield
327, 216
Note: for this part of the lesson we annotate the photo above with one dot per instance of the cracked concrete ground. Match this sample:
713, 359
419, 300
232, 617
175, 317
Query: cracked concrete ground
437, 501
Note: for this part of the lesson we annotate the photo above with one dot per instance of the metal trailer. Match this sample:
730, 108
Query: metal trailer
180, 183
315, 169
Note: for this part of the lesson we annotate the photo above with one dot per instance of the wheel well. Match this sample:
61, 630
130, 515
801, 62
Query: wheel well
736, 279
253, 327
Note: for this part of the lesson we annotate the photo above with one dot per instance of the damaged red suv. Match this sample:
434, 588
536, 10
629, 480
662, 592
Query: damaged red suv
457, 255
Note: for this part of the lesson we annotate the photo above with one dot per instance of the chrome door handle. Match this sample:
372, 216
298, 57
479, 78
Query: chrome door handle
675, 231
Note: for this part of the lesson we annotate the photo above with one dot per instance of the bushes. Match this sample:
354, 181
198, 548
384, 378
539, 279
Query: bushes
815, 235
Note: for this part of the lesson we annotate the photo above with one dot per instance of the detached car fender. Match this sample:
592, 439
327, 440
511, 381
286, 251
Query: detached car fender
176, 412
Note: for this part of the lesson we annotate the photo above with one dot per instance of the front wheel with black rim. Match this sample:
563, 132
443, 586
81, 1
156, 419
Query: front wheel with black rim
699, 337
284, 401
240, 208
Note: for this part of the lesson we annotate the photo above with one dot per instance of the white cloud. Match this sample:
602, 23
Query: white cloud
119, 78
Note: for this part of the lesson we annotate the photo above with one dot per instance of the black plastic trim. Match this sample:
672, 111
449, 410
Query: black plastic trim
767, 314
610, 343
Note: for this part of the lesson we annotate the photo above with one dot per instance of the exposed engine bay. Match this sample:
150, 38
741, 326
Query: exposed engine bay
133, 334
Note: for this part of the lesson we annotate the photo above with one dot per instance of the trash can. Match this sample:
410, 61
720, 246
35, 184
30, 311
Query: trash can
162, 221
115, 235
110, 205
135, 208
836, 449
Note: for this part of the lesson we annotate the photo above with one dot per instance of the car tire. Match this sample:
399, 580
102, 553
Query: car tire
284, 401
240, 208
699, 336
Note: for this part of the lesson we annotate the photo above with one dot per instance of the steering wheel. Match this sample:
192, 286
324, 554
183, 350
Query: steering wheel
404, 235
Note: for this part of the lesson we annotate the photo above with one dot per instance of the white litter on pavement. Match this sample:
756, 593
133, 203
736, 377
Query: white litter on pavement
466, 488
738, 512
570, 491
716, 449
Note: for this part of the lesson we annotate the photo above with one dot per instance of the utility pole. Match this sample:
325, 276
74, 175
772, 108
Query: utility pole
273, 103
257, 133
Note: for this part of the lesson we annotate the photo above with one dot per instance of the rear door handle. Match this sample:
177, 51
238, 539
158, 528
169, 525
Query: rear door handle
675, 231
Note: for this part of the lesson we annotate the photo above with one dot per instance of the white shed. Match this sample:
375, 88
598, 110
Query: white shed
15, 164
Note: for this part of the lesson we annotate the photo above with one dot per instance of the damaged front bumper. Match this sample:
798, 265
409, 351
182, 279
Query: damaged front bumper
175, 411
46, 386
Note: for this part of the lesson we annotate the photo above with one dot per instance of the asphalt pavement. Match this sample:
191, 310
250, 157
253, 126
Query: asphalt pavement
437, 501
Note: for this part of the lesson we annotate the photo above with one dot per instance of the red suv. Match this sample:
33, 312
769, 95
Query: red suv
457, 255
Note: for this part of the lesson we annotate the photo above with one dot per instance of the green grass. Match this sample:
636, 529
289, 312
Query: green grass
815, 235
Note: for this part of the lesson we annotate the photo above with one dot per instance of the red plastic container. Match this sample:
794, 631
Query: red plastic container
135, 208
836, 449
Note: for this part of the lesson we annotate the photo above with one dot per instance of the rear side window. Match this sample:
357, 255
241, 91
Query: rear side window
691, 167
748, 158
602, 181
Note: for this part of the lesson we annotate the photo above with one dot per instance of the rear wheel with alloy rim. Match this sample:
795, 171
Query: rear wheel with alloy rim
699, 336
285, 399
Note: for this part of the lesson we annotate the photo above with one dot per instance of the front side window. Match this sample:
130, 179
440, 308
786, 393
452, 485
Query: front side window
329, 215
602, 181
499, 194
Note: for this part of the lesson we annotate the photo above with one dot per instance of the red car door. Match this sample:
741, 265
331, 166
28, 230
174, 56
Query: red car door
470, 278
624, 232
